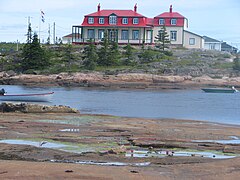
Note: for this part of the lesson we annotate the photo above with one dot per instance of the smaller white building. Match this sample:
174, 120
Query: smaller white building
192, 40
68, 38
212, 44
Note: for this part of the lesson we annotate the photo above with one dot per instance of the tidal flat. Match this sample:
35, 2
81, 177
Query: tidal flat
49, 145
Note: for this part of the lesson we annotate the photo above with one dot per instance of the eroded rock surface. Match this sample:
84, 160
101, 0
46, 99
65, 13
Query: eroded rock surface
35, 108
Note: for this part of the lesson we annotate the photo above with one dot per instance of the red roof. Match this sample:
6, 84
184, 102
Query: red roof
170, 15
149, 21
121, 13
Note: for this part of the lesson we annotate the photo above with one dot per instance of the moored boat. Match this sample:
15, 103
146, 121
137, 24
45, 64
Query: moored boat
220, 90
40, 97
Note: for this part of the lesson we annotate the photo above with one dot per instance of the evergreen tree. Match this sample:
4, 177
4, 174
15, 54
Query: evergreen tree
114, 53
34, 56
29, 33
103, 52
129, 54
108, 53
69, 57
162, 39
90, 56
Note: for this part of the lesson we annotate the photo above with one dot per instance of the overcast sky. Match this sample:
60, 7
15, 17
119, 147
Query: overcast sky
219, 19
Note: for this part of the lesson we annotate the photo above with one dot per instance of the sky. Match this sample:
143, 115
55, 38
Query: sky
218, 19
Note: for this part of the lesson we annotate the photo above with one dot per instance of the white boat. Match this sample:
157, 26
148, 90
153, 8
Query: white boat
40, 97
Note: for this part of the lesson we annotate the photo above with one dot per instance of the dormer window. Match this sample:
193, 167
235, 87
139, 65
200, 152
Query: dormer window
124, 20
135, 21
173, 21
90, 20
113, 19
161, 21
101, 20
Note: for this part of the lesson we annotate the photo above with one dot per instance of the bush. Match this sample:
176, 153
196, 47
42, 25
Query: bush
167, 53
236, 64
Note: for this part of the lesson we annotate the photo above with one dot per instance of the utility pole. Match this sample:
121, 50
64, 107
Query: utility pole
54, 33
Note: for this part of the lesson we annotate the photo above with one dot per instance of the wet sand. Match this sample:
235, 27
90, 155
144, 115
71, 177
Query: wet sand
106, 139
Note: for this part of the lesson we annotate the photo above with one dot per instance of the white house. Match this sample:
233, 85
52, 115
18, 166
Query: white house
212, 44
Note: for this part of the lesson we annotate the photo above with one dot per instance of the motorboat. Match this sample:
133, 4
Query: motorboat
220, 90
38, 97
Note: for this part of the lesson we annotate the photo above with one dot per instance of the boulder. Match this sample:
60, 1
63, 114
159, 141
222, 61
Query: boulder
35, 108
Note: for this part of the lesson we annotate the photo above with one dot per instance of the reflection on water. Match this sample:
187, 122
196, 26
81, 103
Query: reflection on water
180, 104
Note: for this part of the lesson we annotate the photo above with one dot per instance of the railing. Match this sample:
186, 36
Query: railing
120, 41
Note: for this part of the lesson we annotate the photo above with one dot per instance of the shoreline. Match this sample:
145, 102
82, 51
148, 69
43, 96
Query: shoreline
119, 81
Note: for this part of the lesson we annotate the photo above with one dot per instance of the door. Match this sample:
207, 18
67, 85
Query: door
149, 36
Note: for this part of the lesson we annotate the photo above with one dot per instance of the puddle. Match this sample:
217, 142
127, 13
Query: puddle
230, 141
43, 144
103, 163
234, 137
69, 130
162, 154
67, 147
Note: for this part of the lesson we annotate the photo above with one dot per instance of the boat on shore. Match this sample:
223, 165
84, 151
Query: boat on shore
220, 90
39, 97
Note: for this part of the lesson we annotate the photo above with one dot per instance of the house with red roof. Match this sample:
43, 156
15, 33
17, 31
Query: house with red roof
129, 26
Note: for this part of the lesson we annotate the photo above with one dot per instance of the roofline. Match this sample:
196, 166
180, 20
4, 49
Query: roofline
115, 26
117, 16
216, 41
193, 33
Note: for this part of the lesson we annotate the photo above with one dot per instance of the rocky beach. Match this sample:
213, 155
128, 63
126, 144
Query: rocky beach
80, 146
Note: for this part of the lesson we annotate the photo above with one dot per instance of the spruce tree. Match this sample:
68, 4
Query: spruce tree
103, 52
90, 56
34, 56
129, 54
162, 39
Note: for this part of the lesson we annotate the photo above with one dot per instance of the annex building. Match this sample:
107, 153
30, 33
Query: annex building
129, 26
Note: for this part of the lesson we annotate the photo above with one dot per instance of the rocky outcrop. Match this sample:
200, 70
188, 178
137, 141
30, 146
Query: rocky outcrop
35, 108
124, 80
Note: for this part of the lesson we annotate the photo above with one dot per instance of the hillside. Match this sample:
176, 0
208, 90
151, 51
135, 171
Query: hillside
182, 62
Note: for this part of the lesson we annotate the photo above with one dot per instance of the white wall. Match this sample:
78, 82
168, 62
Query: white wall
212, 46
199, 41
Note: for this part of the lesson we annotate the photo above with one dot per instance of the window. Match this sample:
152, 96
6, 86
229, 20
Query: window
161, 21
192, 41
101, 21
91, 34
173, 35
135, 34
135, 21
160, 33
100, 33
173, 21
112, 19
124, 20
90, 20
212, 46
124, 35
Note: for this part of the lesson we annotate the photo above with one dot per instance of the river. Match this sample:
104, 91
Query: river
178, 104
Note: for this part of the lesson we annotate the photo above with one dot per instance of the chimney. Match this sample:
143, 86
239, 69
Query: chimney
170, 10
135, 8
98, 7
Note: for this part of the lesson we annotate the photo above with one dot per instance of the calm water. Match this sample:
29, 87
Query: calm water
180, 104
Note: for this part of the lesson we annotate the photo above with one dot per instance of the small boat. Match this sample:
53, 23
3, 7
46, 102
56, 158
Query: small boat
220, 90
40, 97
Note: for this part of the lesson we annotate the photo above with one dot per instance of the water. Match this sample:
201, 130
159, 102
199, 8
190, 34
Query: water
179, 104
179, 153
